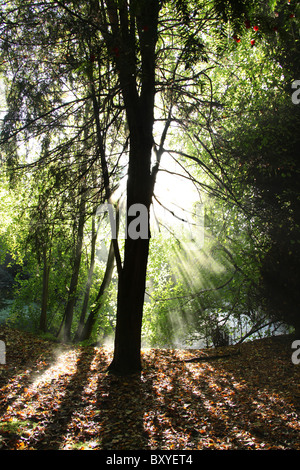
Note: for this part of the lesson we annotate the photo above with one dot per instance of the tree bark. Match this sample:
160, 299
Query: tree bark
131, 290
141, 20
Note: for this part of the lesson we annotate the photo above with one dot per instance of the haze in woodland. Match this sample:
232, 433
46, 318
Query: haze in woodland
150, 172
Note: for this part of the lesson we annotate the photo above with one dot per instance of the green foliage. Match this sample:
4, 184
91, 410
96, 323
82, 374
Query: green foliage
164, 324
223, 78
261, 155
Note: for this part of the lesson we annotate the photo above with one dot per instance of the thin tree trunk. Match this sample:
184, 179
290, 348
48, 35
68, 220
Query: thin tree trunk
45, 293
88, 327
88, 282
140, 117
87, 330
65, 331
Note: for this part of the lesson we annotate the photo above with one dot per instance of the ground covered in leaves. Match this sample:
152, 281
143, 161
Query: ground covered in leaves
61, 398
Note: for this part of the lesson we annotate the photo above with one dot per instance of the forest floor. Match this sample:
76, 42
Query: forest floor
55, 397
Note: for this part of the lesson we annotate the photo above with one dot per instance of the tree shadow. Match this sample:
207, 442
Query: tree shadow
97, 409
122, 402
59, 417
233, 403
73, 403
23, 363
226, 403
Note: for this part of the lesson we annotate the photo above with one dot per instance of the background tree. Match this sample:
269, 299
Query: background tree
66, 113
263, 157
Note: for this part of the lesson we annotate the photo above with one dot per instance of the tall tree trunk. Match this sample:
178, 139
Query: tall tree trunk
132, 280
140, 117
131, 290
